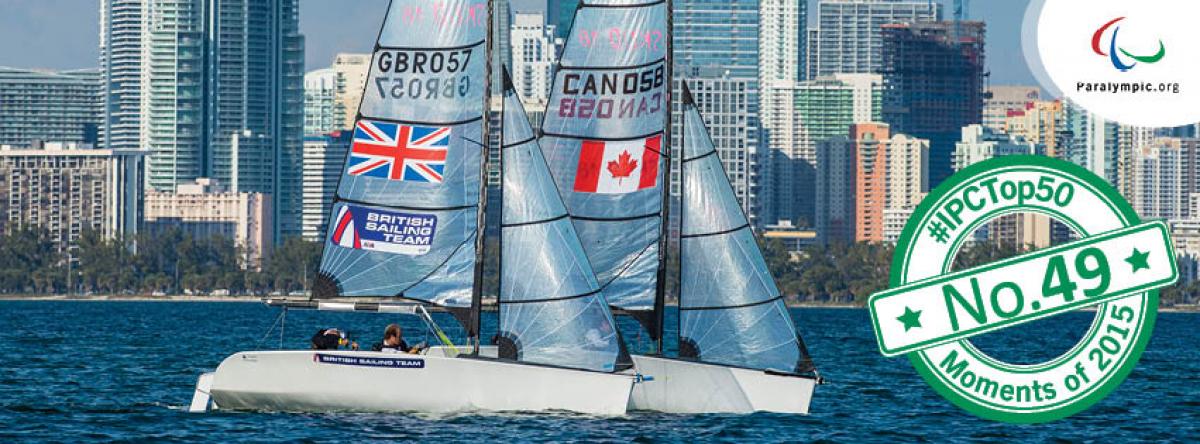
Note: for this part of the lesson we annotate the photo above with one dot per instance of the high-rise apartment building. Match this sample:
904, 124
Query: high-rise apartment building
848, 37
824, 108
1040, 123
66, 189
222, 94
534, 53
47, 106
891, 173
324, 156
980, 143
320, 88
1004, 101
1092, 142
781, 66
716, 50
934, 84
350, 81
121, 33
835, 190
1158, 189
206, 209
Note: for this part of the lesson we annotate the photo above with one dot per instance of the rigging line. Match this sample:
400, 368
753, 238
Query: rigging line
629, 264
473, 142
536, 222
469, 240
733, 307
603, 5
272, 329
615, 219
518, 144
362, 117
715, 233
402, 207
702, 156
659, 60
554, 299
429, 48
601, 139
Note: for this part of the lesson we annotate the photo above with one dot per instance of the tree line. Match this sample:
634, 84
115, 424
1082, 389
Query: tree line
174, 262
165, 262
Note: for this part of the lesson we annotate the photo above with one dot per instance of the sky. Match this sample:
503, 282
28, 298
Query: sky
64, 34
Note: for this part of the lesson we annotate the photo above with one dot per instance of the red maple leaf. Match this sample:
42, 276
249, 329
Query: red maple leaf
623, 166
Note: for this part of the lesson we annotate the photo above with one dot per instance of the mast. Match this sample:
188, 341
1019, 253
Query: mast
660, 297
481, 221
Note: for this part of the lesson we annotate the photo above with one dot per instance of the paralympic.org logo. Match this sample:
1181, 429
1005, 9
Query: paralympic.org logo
1115, 51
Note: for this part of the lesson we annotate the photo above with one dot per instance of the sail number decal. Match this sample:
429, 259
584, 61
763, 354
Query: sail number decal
620, 94
423, 74
362, 228
622, 39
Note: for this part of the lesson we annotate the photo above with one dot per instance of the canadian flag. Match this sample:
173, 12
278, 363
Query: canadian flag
618, 167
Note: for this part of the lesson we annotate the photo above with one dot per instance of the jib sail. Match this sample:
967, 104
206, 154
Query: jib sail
603, 136
405, 221
552, 310
731, 312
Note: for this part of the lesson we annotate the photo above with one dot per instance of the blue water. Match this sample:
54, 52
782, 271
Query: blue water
105, 371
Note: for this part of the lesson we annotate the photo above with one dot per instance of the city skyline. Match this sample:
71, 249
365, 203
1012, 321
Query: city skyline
39, 35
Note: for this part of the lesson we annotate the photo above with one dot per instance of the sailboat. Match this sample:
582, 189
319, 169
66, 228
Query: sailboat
407, 226
739, 351
605, 135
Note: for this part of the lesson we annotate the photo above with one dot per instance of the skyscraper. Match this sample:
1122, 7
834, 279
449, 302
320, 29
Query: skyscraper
716, 51
824, 108
848, 37
323, 158
350, 77
933, 76
1003, 101
47, 106
782, 25
534, 53
121, 31
223, 97
891, 174
320, 88
1159, 190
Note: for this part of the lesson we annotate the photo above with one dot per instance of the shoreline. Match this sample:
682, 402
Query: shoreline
258, 299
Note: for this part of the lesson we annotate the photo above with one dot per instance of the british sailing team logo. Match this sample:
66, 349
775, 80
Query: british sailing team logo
1115, 51
362, 228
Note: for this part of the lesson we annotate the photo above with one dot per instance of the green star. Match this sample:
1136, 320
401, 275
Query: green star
911, 319
1138, 259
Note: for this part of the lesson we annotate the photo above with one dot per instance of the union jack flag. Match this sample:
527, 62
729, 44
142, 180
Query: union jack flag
399, 152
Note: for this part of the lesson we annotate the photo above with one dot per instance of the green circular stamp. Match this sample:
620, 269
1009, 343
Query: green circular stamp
1114, 266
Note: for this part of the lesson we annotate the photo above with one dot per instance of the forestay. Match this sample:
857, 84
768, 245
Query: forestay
603, 138
405, 218
552, 310
731, 312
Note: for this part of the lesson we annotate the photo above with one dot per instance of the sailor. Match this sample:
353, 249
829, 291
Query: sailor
331, 339
393, 342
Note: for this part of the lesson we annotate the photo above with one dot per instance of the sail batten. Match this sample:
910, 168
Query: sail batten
731, 311
406, 214
552, 308
604, 136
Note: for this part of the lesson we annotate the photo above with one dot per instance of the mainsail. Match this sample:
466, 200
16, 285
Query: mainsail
405, 220
552, 310
731, 312
603, 136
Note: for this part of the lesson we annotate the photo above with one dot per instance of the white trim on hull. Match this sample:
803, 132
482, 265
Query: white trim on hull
677, 386
323, 381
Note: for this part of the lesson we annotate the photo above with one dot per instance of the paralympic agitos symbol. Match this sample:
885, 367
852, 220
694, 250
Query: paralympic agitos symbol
1113, 48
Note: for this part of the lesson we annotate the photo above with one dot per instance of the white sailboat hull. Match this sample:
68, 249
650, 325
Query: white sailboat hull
325, 381
677, 386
